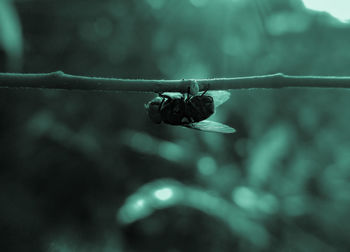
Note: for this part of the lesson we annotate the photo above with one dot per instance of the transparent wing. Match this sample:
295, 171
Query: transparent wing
211, 126
219, 96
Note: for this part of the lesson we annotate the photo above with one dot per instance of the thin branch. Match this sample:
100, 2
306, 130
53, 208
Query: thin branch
60, 80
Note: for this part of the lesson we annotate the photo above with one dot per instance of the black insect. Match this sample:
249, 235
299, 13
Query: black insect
189, 110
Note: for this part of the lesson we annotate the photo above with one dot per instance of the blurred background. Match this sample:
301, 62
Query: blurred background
88, 171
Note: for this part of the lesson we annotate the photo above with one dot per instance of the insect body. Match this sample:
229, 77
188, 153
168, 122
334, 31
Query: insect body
183, 110
188, 110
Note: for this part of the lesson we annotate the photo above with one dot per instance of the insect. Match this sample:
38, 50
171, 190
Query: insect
187, 110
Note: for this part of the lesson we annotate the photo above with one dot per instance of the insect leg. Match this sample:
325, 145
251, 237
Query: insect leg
162, 102
204, 92
188, 94
164, 96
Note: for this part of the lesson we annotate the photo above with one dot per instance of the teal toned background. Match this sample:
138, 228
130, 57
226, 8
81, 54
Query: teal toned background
88, 171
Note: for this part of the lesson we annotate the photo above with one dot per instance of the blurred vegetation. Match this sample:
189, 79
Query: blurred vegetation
89, 172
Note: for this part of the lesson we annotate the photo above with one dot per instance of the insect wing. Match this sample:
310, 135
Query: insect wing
211, 126
219, 96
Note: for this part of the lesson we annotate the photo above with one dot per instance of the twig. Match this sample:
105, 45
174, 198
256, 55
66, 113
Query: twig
60, 80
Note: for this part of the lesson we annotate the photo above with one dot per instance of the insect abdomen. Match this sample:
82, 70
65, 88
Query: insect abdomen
173, 112
200, 108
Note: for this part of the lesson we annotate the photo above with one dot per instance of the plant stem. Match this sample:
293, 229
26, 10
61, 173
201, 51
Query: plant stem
60, 80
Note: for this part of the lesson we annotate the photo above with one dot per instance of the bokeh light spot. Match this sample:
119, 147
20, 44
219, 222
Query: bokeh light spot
206, 165
170, 151
164, 193
139, 204
244, 197
142, 142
